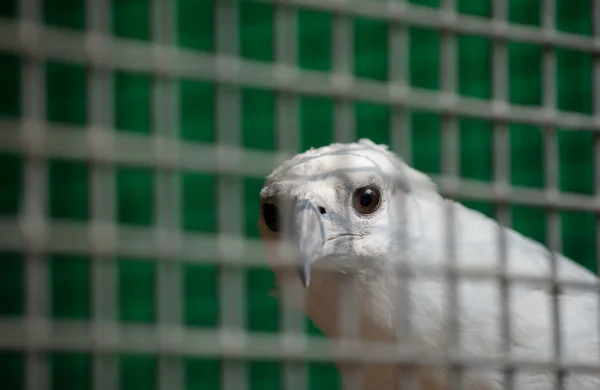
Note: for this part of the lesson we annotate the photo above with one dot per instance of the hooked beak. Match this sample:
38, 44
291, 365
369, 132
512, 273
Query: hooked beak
310, 235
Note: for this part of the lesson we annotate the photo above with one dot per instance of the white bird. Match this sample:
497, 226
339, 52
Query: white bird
361, 211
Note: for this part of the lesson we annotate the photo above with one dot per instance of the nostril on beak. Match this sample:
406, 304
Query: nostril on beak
322, 210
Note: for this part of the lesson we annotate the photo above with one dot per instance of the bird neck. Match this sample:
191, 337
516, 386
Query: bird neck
344, 306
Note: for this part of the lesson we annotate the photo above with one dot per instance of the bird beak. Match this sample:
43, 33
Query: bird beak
310, 235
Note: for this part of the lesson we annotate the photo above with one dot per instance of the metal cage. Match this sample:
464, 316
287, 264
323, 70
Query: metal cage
135, 136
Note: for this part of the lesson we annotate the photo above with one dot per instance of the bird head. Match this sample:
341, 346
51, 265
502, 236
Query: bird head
339, 206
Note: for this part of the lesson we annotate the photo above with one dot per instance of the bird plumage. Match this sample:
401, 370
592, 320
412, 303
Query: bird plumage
408, 233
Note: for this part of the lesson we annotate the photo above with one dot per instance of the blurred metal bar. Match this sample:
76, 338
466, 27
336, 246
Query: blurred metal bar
288, 141
437, 19
449, 77
343, 65
111, 147
138, 150
501, 150
285, 72
345, 131
78, 337
138, 57
102, 192
449, 81
34, 207
168, 291
349, 328
552, 176
137, 243
553, 230
30, 11
401, 135
401, 143
405, 300
451, 170
232, 281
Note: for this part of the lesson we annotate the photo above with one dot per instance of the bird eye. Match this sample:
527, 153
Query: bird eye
366, 200
271, 216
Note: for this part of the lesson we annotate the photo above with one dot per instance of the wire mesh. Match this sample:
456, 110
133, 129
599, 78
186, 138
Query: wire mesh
135, 136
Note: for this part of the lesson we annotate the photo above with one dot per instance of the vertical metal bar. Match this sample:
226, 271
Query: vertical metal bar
554, 245
551, 165
549, 59
343, 65
401, 135
454, 348
102, 194
232, 282
449, 77
502, 181
448, 68
503, 215
500, 63
286, 51
450, 172
168, 292
30, 11
34, 206
399, 51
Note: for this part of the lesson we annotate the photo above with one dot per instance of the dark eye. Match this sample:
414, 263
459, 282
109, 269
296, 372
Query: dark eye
366, 200
271, 216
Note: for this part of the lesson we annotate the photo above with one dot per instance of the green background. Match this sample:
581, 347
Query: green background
69, 196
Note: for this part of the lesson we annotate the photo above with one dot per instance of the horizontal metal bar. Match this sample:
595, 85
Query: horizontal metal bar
70, 142
159, 152
128, 241
114, 338
443, 20
78, 238
478, 190
60, 44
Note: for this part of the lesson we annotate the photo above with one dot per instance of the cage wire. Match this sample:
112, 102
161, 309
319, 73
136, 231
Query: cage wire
135, 137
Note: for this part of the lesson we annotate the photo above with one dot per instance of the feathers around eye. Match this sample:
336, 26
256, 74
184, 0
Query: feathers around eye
417, 180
